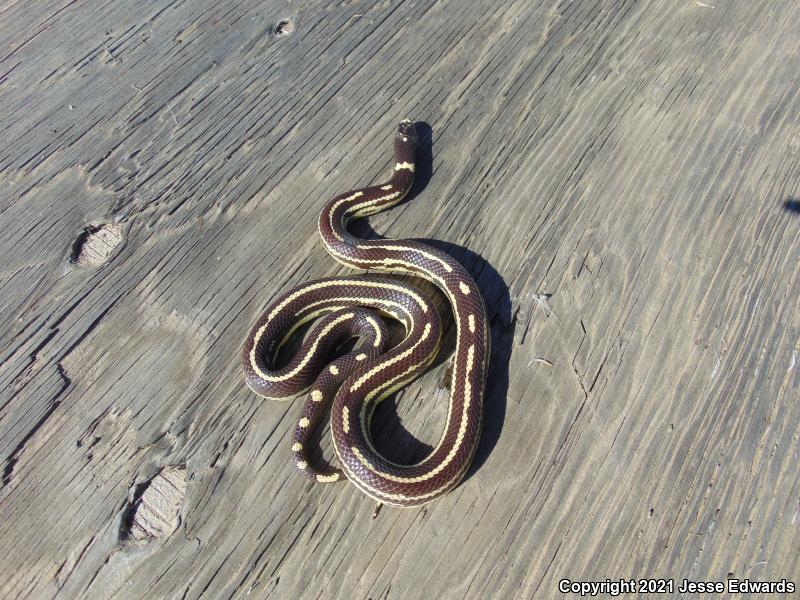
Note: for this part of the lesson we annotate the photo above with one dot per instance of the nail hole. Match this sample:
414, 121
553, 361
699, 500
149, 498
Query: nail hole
284, 27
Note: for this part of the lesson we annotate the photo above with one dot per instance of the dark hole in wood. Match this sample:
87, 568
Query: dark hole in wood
95, 244
77, 245
284, 27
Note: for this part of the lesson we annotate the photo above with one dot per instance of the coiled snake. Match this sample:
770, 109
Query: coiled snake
345, 308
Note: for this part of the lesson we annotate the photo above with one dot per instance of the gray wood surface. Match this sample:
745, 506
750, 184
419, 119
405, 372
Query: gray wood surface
620, 177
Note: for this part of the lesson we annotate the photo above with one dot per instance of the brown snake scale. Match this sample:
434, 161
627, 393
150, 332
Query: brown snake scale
350, 307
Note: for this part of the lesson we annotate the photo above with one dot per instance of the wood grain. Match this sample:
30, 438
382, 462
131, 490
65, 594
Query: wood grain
621, 179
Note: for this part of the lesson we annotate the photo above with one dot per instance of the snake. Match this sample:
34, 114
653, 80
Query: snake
338, 310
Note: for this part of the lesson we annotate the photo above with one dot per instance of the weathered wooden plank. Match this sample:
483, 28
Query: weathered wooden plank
618, 176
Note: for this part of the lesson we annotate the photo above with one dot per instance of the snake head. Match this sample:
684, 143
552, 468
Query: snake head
405, 142
406, 132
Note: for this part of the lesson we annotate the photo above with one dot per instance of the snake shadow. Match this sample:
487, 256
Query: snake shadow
391, 437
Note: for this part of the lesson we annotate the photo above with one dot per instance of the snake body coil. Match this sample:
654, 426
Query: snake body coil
356, 382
